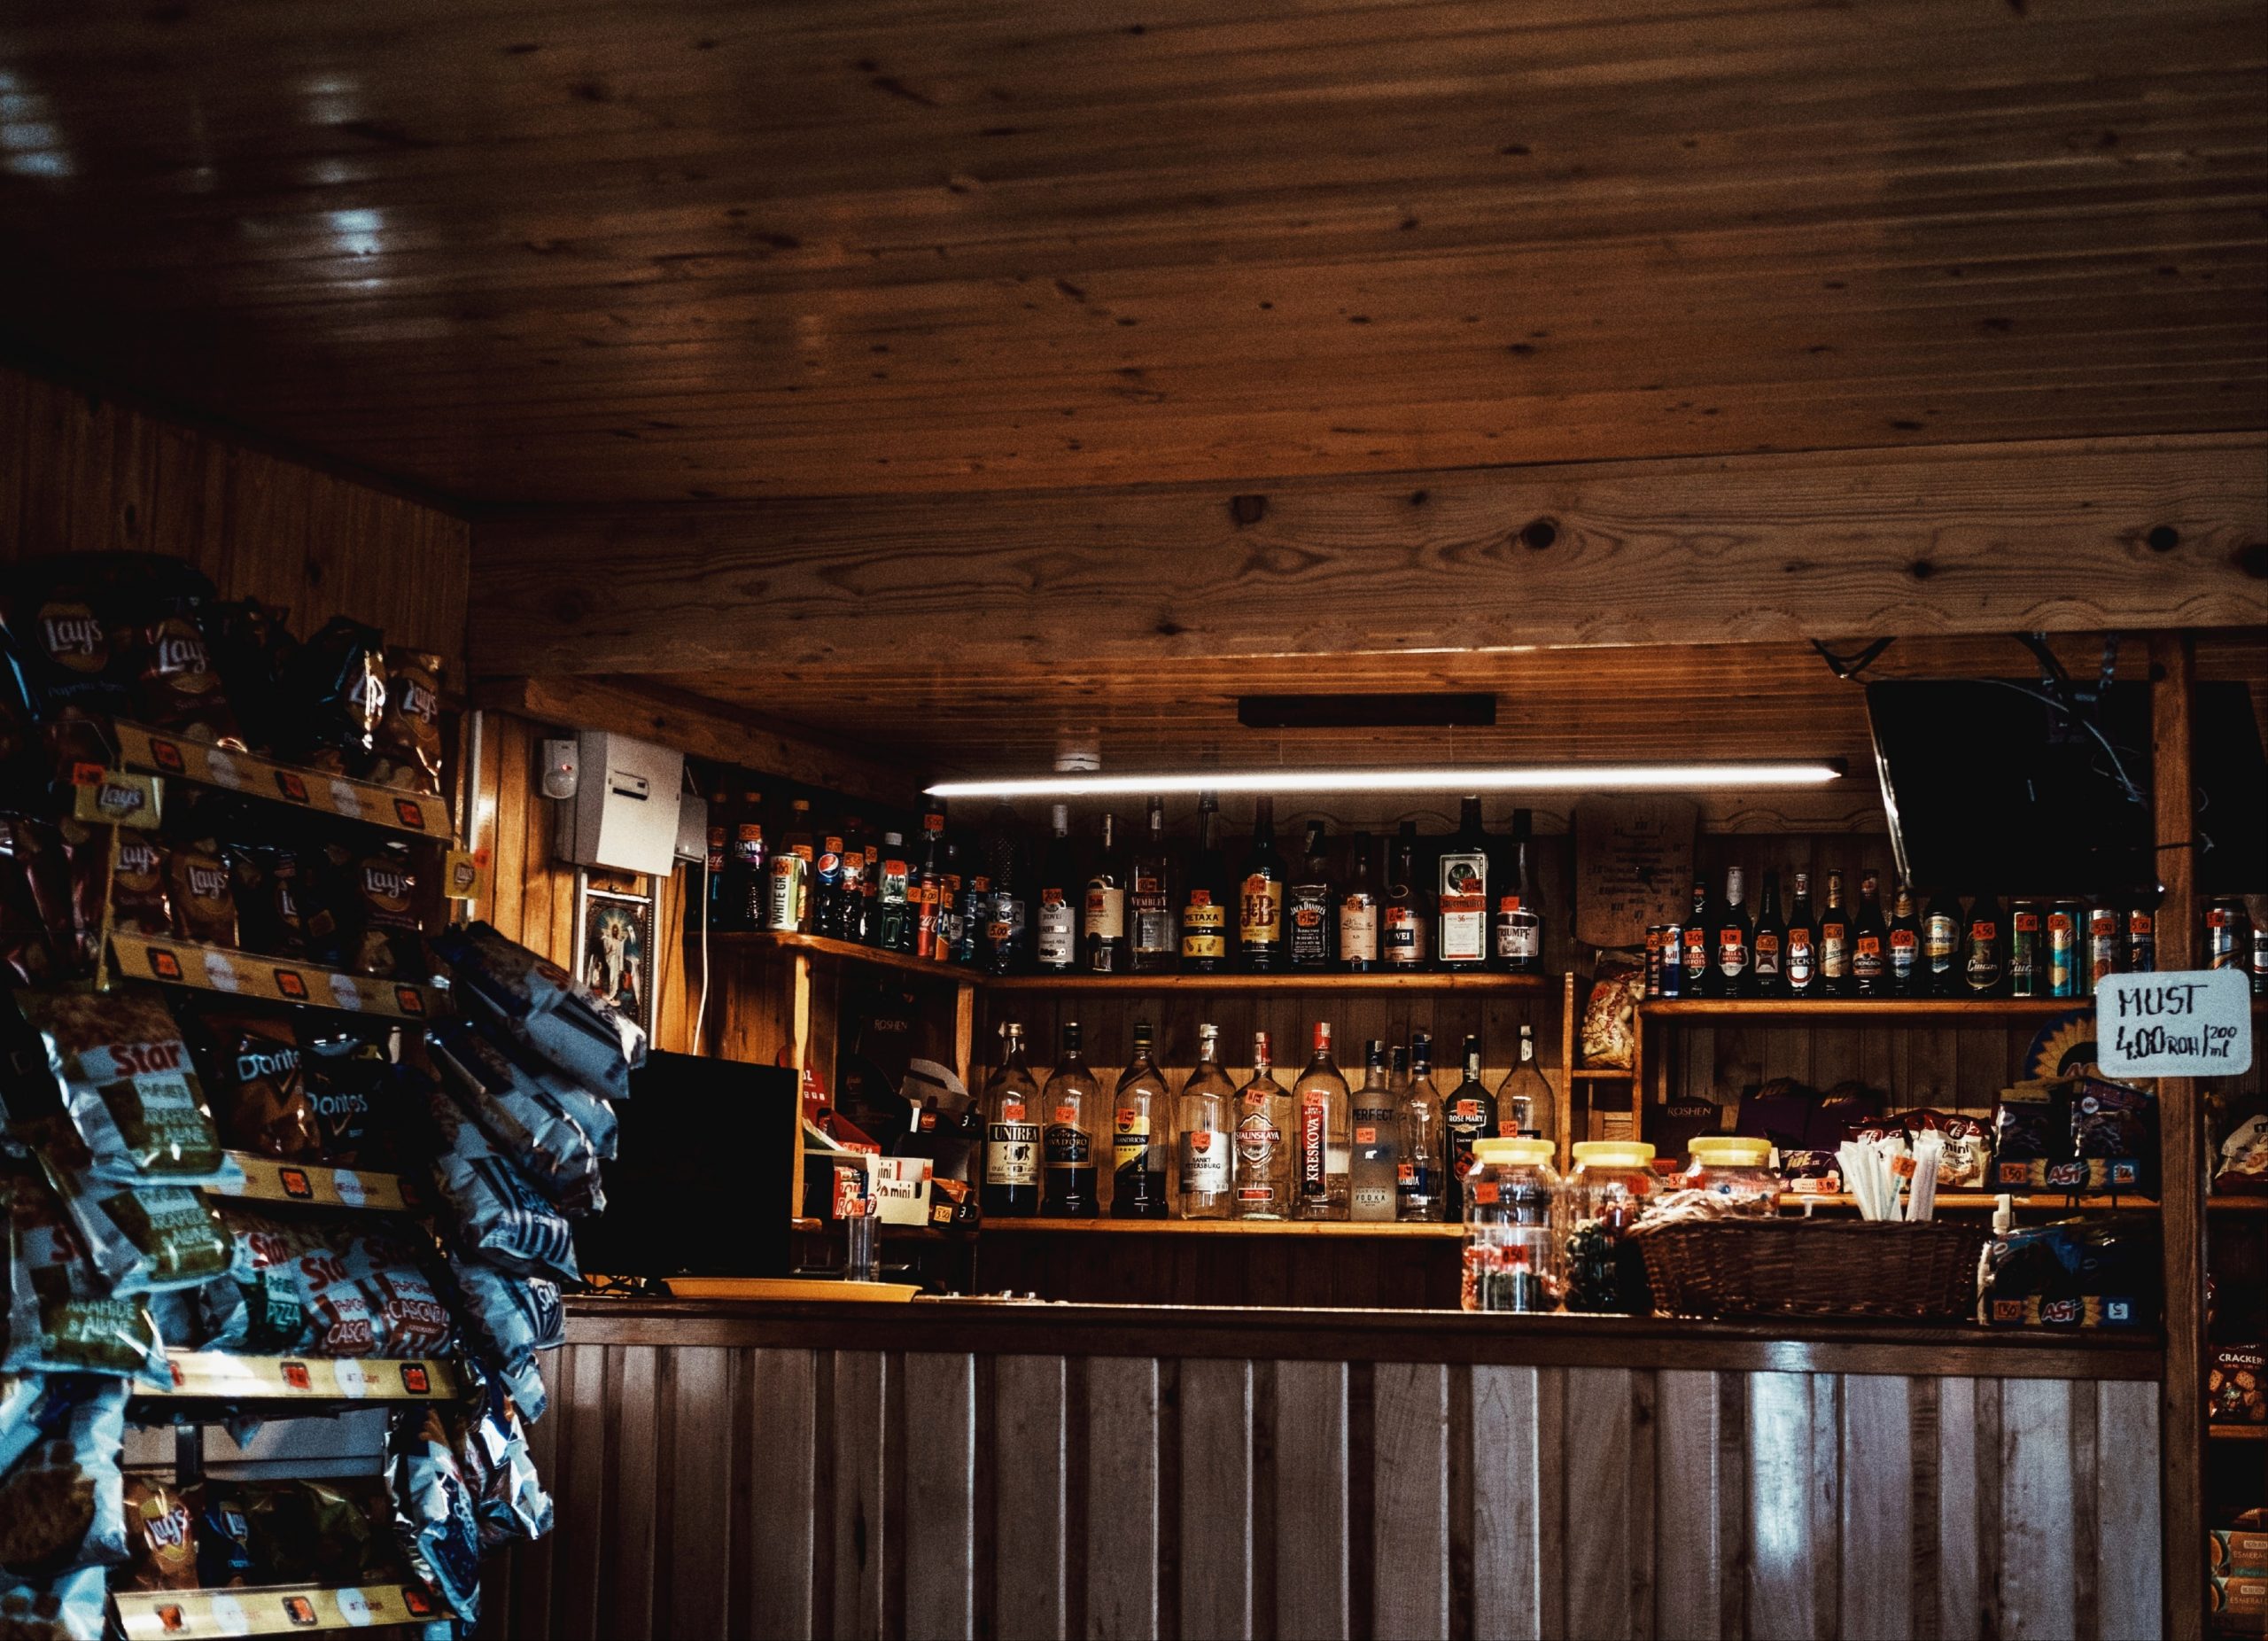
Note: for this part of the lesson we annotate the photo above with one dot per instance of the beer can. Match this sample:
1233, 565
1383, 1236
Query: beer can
2063, 953
2024, 949
1654, 960
2141, 940
2104, 940
1672, 948
2260, 960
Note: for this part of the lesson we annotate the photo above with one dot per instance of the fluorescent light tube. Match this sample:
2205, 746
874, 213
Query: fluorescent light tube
1523, 778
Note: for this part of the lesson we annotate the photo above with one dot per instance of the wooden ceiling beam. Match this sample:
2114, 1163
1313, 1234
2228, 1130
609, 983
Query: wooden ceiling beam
2055, 536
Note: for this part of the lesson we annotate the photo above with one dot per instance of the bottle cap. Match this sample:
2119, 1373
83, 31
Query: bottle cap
1613, 1152
1523, 1153
1729, 1151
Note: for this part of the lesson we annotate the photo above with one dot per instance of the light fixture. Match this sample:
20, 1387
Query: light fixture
1718, 776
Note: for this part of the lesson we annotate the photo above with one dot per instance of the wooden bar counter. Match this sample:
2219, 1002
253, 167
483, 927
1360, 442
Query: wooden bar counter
989, 1467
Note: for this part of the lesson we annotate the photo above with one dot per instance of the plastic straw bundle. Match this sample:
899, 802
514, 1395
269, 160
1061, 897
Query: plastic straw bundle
1874, 1172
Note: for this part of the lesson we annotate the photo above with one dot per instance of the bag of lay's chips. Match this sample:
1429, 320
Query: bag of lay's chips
129, 1088
160, 1536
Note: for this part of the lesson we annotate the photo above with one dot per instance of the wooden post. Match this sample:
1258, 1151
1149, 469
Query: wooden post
2182, 1141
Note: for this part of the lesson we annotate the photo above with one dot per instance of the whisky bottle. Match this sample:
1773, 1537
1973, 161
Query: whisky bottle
1205, 1130
1263, 1115
1373, 1168
1012, 1142
1138, 1136
1519, 905
1524, 1102
1422, 1170
1460, 920
1259, 901
1071, 1103
1204, 906
1150, 903
1319, 1106
1358, 914
1402, 924
1102, 930
1055, 912
1307, 909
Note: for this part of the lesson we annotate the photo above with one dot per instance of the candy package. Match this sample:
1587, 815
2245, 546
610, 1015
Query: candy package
70, 1607
63, 1316
520, 1116
2102, 1270
585, 1037
491, 1208
62, 1503
507, 1319
434, 1514
2115, 1132
129, 1088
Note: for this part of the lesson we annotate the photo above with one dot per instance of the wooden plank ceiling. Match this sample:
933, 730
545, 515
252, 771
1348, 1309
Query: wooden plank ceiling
523, 251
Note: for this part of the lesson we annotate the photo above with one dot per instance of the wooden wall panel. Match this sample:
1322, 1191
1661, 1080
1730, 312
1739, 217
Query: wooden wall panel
1137, 1496
83, 473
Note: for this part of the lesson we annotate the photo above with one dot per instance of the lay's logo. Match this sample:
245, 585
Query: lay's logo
72, 636
387, 884
176, 649
205, 883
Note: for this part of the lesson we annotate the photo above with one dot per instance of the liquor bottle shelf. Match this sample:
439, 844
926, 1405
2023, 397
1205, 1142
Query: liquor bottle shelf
1218, 1227
2237, 1433
1783, 1011
1601, 1073
837, 951
1375, 980
272, 980
224, 1376
272, 1610
1983, 1202
268, 1180
144, 751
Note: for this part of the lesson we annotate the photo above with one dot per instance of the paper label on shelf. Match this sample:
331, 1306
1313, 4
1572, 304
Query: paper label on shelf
354, 1380
228, 1616
221, 972
345, 992
349, 1187
223, 770
355, 1607
2190, 1023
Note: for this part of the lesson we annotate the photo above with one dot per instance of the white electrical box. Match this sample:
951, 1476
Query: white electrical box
624, 815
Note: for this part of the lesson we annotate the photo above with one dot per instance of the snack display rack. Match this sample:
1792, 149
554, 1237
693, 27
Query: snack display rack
223, 1376
248, 974
268, 1181
277, 1609
143, 750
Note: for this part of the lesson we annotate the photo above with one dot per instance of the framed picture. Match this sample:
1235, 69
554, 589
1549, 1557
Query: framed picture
614, 947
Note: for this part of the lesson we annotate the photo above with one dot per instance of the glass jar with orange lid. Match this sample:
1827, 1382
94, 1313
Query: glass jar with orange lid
1612, 1181
1736, 1170
1513, 1227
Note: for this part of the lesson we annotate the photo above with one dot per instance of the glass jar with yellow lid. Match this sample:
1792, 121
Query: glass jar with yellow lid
1513, 1227
1736, 1170
1612, 1181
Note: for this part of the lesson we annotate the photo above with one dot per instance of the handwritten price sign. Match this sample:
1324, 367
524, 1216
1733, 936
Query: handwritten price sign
2195, 1022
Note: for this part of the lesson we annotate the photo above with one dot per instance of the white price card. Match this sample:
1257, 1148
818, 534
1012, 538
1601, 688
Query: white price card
2191, 1022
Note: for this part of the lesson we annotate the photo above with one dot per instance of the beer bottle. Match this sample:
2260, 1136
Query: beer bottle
1983, 947
1770, 951
1011, 1134
1873, 954
1204, 905
1259, 901
1138, 1136
1909, 977
1358, 914
1736, 942
1055, 912
1070, 1103
1102, 932
1835, 942
1799, 963
1941, 931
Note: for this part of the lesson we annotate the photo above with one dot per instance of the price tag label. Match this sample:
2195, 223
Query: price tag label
346, 993
2192, 1023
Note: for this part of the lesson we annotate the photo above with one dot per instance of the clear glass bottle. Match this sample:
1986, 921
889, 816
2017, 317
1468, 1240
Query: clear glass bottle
1358, 912
1139, 1142
1373, 1168
1605, 1194
1149, 906
1204, 1132
1514, 1228
1012, 1139
1102, 925
1469, 1117
1525, 1105
1071, 1103
1421, 1182
1320, 1154
1263, 1159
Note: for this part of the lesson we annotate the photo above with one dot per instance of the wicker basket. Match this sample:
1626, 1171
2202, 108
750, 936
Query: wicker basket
1881, 1270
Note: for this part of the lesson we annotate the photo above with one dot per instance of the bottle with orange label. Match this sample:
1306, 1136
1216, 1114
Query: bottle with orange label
1984, 947
1263, 1122
1421, 1170
1204, 908
1069, 1105
1319, 1152
1469, 1117
1260, 897
788, 906
1056, 907
1373, 1166
1205, 1133
1011, 1138
1139, 1135
894, 896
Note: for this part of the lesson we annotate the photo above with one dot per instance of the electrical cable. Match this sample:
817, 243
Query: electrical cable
1849, 667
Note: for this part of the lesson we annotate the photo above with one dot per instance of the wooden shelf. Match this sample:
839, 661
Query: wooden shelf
1783, 1011
273, 1610
1445, 980
151, 752
2237, 1433
1983, 1202
269, 979
1601, 1073
837, 951
1217, 1227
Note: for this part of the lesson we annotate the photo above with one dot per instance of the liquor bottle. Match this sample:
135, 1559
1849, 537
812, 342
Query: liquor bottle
1011, 1134
2026, 949
787, 907
853, 905
1518, 931
1102, 928
1421, 1195
1736, 941
894, 896
1460, 920
2142, 935
1055, 912
710, 910
1905, 972
870, 914
1984, 947
974, 917
1309, 935
1149, 906
1800, 958
1138, 1136
748, 874
1204, 905
1835, 942
1004, 865
1769, 953
1696, 966
826, 885
2105, 942
1469, 1116
1524, 1101
952, 903
1373, 1167
1259, 901
1205, 1131
1941, 930
1358, 914
1070, 1102
1264, 1162
1320, 1159
1401, 936
927, 886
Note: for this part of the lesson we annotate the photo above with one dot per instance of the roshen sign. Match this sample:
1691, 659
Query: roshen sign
2192, 1023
